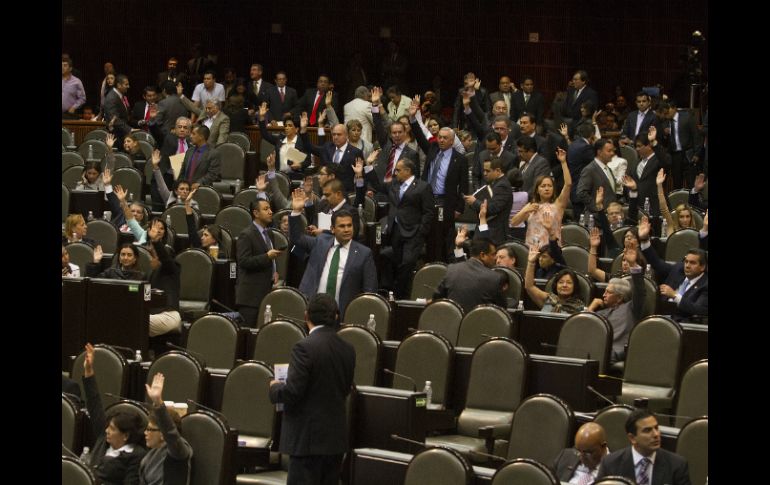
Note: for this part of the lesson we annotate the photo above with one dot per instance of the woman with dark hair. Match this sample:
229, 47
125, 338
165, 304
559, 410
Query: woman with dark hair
127, 268
91, 178
564, 300
119, 446
211, 235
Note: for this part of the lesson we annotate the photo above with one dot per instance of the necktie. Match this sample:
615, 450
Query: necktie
683, 287
401, 191
391, 159
269, 243
334, 267
507, 98
526, 98
182, 146
641, 472
586, 479
639, 121
610, 176
193, 164
434, 173
125, 101
147, 113
673, 135
640, 167
337, 156
282, 94
314, 113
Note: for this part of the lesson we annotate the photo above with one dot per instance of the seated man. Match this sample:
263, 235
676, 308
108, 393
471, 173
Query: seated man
581, 464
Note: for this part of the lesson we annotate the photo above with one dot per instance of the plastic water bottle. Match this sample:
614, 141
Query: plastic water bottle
391, 297
428, 393
590, 222
582, 220
268, 314
130, 196
237, 185
138, 356
663, 227
90, 216
521, 305
90, 152
647, 205
361, 213
648, 271
168, 220
371, 324
85, 457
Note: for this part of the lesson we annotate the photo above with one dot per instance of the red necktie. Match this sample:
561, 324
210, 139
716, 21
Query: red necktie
147, 113
391, 159
125, 101
182, 146
282, 94
315, 108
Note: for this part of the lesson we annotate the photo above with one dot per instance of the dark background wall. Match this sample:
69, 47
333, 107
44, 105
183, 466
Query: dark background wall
631, 44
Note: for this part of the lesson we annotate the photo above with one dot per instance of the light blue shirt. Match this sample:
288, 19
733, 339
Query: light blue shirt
443, 168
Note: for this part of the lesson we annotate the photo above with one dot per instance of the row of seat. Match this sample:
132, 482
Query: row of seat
68, 140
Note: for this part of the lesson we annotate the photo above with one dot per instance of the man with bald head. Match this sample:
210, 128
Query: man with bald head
580, 464
335, 152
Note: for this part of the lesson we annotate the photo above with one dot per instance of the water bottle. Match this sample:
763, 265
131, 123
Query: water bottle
590, 222
90, 216
138, 356
428, 394
361, 213
85, 457
582, 220
647, 205
521, 305
371, 324
648, 271
130, 196
90, 152
663, 227
391, 297
237, 185
168, 220
268, 314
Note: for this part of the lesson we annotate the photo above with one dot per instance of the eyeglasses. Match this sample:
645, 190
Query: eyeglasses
151, 429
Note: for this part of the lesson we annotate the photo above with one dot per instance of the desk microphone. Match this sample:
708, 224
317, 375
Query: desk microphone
407, 440
206, 408
487, 455
73, 455
553, 346
414, 384
230, 310
129, 350
291, 319
188, 351
605, 376
132, 401
434, 288
594, 391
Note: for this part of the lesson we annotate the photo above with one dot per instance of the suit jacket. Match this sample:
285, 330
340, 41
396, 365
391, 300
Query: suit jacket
695, 300
499, 96
645, 184
470, 283
591, 178
306, 102
456, 178
360, 273
571, 106
255, 269
265, 95
415, 209
579, 154
137, 113
381, 134
532, 170
277, 141
320, 378
565, 464
535, 106
311, 213
278, 107
113, 106
498, 208
176, 78
669, 468
508, 158
629, 126
326, 153
220, 127
481, 97
361, 110
169, 109
207, 168
686, 133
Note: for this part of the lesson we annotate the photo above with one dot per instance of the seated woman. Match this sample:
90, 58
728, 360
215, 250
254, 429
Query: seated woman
118, 449
91, 178
75, 230
168, 461
212, 235
118, 218
127, 269
684, 218
68, 270
130, 147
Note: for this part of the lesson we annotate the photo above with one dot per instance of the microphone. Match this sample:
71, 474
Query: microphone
487, 455
434, 288
129, 350
206, 408
291, 319
230, 310
70, 452
188, 351
605, 376
552, 346
594, 391
414, 384
74, 397
133, 401
407, 440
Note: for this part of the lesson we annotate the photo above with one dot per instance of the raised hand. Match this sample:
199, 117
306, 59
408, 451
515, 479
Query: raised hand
120, 193
155, 159
629, 183
303, 120
596, 237
414, 106
298, 199
154, 233
561, 155
322, 118
547, 221
109, 140
534, 253
644, 228
660, 177
600, 198
107, 176
261, 183
564, 130
358, 167
262, 111
700, 182
706, 222
98, 253
483, 212
329, 97
376, 95
155, 392
373, 156
462, 235
188, 200
595, 116
88, 362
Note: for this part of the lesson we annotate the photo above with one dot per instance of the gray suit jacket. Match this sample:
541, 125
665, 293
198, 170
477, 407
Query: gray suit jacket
207, 169
591, 178
532, 170
470, 283
169, 109
565, 464
669, 468
220, 128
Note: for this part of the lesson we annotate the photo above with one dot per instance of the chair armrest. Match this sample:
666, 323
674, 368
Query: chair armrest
489, 433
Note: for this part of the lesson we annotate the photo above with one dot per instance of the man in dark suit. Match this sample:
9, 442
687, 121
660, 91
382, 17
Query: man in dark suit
533, 165
257, 271
170, 109
596, 174
679, 134
578, 94
494, 149
505, 93
408, 225
171, 74
473, 282
686, 283
201, 165
258, 90
639, 120
498, 195
313, 101
527, 100
283, 98
337, 265
314, 430
143, 111
472, 87
579, 154
337, 151
116, 114
393, 148
584, 458
645, 461
497, 121
652, 157
333, 200
177, 142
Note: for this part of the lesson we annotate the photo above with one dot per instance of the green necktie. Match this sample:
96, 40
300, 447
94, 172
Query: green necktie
334, 267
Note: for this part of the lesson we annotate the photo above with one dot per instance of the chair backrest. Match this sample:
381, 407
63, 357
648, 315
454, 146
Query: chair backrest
277, 216
240, 139
234, 218
209, 200
680, 242
693, 393
676, 197
280, 241
542, 427
620, 233
515, 283
96, 134
73, 472
284, 184
146, 148
71, 422
65, 202
613, 420
130, 179
367, 346
650, 295
215, 338
67, 138
585, 291
197, 275
524, 470
427, 279
81, 254
71, 176
121, 160
369, 207
631, 156
614, 480
693, 444
438, 465
104, 233
576, 258
482, 322
575, 234
245, 197
178, 218
586, 335
144, 136
185, 376
244, 402
214, 447
231, 161
275, 340
497, 377
71, 159
98, 149
425, 356
283, 300
442, 316
358, 310
130, 407
521, 252
110, 371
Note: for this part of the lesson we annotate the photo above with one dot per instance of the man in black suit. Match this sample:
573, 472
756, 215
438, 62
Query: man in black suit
652, 157
679, 134
333, 200
472, 87
143, 111
498, 195
578, 94
579, 154
494, 149
259, 91
314, 430
533, 165
171, 74
337, 151
313, 101
575, 463
408, 224
283, 98
639, 120
256, 262
170, 109
505, 92
201, 165
645, 461
527, 100
596, 174
116, 114
393, 148
474, 282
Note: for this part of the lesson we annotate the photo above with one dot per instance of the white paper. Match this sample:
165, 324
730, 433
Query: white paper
281, 371
324, 221
295, 155
176, 163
